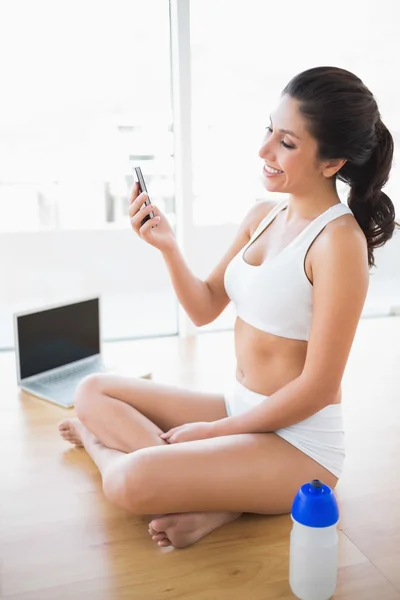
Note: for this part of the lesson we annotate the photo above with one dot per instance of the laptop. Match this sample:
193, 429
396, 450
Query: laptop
56, 347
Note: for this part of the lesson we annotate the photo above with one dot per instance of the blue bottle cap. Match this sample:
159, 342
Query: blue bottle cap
315, 505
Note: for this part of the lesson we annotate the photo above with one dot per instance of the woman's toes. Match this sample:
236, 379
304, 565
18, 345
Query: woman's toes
71, 431
162, 524
157, 530
159, 537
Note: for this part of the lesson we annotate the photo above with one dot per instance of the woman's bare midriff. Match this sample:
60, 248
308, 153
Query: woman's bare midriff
265, 362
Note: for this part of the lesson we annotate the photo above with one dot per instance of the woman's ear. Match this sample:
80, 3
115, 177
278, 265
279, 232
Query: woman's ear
331, 167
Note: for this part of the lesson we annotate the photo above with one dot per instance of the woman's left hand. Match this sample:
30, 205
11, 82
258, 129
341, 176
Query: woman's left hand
189, 432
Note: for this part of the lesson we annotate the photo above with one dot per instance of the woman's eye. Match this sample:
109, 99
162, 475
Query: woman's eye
285, 145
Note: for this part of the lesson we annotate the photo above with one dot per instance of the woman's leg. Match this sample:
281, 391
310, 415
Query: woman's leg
128, 414
191, 526
257, 473
108, 425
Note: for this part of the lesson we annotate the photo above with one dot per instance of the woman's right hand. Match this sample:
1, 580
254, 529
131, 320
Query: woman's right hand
157, 231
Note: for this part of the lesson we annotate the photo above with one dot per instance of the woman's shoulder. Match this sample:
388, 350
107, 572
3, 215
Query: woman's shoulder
344, 230
344, 238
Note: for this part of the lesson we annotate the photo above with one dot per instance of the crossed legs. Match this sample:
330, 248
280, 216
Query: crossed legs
197, 485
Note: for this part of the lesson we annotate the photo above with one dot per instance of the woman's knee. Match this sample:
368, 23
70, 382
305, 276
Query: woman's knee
85, 395
128, 483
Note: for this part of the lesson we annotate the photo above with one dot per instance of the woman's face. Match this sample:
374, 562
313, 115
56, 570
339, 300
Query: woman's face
289, 152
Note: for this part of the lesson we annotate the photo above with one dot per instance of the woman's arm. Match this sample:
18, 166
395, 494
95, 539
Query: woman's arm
340, 283
204, 301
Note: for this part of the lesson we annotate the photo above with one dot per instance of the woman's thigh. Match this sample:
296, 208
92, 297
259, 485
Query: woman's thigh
165, 405
258, 473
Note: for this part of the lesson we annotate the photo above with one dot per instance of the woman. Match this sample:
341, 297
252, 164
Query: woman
297, 272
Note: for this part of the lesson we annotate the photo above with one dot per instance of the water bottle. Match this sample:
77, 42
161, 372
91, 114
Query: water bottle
314, 542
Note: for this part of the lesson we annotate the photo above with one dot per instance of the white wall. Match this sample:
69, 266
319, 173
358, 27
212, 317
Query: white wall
37, 269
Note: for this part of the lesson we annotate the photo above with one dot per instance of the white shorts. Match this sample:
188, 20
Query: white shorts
321, 436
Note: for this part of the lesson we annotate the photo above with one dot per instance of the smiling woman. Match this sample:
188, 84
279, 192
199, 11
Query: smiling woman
297, 274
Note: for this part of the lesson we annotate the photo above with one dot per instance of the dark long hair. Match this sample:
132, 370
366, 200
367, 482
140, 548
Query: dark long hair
343, 116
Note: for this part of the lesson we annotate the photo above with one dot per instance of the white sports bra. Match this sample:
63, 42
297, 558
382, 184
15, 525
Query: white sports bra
277, 296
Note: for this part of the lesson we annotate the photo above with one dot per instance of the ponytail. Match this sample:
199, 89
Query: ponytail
343, 117
372, 208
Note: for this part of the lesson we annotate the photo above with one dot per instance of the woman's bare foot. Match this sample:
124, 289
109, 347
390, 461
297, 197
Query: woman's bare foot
71, 431
183, 529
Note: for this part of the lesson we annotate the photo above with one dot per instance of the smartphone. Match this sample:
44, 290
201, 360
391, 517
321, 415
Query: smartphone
143, 188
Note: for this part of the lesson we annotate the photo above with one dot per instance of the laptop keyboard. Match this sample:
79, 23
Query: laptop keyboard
60, 387
73, 373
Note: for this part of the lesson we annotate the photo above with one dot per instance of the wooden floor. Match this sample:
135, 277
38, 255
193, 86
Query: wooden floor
61, 540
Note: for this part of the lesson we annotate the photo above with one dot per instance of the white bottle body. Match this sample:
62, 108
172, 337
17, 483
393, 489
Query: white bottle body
313, 561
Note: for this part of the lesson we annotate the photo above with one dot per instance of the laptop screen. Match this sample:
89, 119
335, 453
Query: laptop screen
58, 336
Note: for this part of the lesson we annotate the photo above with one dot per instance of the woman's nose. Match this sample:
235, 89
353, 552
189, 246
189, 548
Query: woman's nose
266, 149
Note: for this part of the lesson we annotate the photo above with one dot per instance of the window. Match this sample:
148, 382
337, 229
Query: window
85, 96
